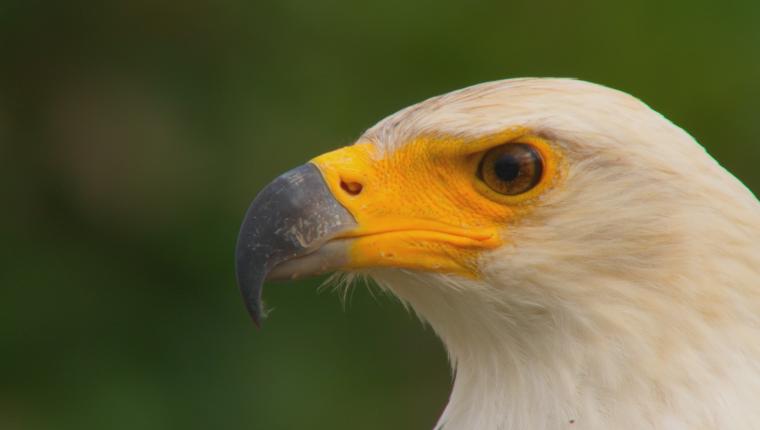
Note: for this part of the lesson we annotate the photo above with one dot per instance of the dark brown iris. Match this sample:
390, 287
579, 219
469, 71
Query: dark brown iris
511, 169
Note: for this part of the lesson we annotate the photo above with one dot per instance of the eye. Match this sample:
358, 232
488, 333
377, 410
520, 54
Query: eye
511, 169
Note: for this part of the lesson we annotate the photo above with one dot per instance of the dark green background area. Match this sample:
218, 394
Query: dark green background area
133, 136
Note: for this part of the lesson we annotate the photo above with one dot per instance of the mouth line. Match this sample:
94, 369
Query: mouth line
443, 230
323, 259
484, 240
334, 254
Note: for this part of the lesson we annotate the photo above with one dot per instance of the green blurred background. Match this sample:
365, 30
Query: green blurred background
134, 135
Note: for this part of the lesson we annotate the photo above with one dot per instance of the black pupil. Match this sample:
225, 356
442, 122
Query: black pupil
507, 167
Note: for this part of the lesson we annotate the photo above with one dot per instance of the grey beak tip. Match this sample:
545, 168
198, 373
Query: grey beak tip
253, 305
250, 278
255, 311
293, 215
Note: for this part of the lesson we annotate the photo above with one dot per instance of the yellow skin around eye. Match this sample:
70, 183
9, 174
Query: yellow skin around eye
423, 206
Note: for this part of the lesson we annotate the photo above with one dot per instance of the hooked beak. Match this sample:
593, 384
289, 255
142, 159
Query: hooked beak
285, 234
351, 210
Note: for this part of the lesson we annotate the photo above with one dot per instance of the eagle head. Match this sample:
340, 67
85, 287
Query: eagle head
585, 262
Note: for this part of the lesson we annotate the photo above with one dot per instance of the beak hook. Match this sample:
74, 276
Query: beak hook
291, 217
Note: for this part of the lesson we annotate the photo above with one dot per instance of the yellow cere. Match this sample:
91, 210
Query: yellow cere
423, 206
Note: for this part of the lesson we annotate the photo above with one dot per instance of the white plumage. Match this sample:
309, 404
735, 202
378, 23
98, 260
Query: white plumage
628, 299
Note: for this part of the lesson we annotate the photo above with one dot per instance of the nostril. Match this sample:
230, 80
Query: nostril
352, 188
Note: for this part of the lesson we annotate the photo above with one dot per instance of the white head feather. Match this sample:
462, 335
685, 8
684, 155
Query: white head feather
630, 297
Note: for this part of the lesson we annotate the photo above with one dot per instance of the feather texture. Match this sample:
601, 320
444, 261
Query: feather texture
628, 299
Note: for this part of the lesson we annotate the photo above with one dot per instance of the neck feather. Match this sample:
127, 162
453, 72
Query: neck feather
541, 359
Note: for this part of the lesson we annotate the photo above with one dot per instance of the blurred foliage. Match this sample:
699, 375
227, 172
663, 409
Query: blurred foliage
134, 134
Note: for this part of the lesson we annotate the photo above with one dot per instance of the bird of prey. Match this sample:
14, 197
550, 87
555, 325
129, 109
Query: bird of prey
585, 262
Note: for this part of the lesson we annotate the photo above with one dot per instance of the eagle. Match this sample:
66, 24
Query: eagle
585, 262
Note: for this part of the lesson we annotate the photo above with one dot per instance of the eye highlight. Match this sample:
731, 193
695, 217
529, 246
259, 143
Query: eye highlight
511, 169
